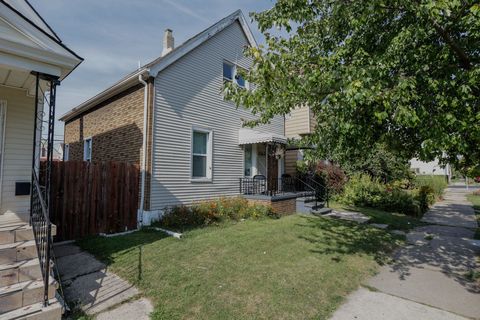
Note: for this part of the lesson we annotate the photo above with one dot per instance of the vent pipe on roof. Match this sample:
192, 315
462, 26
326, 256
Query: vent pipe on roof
168, 42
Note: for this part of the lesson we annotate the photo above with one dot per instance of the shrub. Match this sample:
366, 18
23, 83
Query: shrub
361, 190
213, 211
426, 197
334, 176
364, 191
436, 183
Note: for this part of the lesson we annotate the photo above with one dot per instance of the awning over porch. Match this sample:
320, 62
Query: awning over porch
250, 136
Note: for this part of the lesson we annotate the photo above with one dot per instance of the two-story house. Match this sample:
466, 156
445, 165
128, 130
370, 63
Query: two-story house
170, 116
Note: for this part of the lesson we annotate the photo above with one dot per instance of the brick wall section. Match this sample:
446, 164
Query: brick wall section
282, 207
115, 126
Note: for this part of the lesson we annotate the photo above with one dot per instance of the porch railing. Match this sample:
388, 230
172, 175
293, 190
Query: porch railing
306, 187
42, 230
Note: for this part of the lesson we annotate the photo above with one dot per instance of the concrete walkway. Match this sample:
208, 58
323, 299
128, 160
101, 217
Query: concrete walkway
427, 279
97, 291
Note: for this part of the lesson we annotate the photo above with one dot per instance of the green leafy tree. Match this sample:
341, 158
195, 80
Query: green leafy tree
378, 163
405, 73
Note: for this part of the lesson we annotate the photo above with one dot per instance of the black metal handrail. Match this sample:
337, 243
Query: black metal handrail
321, 191
42, 230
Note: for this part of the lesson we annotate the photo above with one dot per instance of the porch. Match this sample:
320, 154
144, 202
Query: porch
266, 182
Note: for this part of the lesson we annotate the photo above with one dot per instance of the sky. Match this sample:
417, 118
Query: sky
114, 35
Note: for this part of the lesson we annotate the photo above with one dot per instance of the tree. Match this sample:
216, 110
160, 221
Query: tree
404, 73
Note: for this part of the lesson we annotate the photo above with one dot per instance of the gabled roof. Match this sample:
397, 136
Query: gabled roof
159, 64
26, 9
29, 43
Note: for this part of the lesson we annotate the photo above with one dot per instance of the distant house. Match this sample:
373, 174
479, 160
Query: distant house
299, 123
430, 168
170, 117
33, 61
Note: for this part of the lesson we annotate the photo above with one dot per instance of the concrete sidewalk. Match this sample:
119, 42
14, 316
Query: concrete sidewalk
427, 279
88, 283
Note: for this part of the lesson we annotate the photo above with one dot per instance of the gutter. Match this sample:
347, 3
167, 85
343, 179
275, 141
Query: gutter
144, 149
104, 95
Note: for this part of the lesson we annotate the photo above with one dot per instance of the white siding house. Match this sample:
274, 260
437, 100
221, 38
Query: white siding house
27, 46
188, 97
194, 144
430, 168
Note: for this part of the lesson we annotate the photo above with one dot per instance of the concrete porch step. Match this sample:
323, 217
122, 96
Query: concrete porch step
15, 233
321, 211
18, 251
35, 312
24, 294
20, 271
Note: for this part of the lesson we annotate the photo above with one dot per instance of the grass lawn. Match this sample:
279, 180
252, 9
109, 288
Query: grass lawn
475, 200
396, 221
297, 267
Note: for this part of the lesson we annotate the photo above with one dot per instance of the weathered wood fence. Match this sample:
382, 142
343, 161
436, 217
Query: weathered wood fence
92, 198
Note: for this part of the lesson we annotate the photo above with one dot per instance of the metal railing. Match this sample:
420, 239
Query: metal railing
268, 187
42, 230
306, 187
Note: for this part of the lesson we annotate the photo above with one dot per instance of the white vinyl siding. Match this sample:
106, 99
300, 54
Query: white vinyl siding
18, 143
189, 94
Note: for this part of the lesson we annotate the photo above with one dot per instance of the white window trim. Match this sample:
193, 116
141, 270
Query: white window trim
85, 149
209, 176
235, 67
66, 151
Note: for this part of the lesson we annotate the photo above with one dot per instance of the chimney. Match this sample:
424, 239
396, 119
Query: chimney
168, 42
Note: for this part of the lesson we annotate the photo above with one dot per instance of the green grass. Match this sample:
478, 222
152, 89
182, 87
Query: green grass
395, 221
475, 200
297, 267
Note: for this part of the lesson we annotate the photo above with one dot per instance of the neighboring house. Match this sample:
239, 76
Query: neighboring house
299, 123
170, 117
430, 168
33, 60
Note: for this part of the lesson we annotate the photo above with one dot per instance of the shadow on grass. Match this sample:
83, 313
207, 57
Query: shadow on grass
337, 237
127, 249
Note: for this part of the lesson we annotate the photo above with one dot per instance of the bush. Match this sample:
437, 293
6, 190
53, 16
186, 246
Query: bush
436, 183
211, 212
364, 191
361, 190
426, 197
334, 176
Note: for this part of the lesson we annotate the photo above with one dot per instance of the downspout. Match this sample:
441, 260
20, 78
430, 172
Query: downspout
144, 150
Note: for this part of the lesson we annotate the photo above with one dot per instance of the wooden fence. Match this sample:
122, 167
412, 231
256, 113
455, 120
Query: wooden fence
92, 198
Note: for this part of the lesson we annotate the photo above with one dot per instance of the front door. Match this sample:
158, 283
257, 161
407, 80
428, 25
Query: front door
272, 170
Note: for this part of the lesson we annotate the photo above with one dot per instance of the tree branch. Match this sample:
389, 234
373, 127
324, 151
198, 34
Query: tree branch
460, 53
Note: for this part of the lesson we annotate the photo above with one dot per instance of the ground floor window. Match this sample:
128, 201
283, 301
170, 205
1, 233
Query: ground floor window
87, 149
201, 154
66, 152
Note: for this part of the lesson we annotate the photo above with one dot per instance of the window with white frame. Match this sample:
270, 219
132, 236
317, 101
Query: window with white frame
201, 154
87, 149
66, 152
230, 73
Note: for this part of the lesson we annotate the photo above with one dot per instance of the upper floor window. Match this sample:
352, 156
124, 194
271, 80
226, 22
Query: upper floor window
201, 154
230, 73
87, 149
